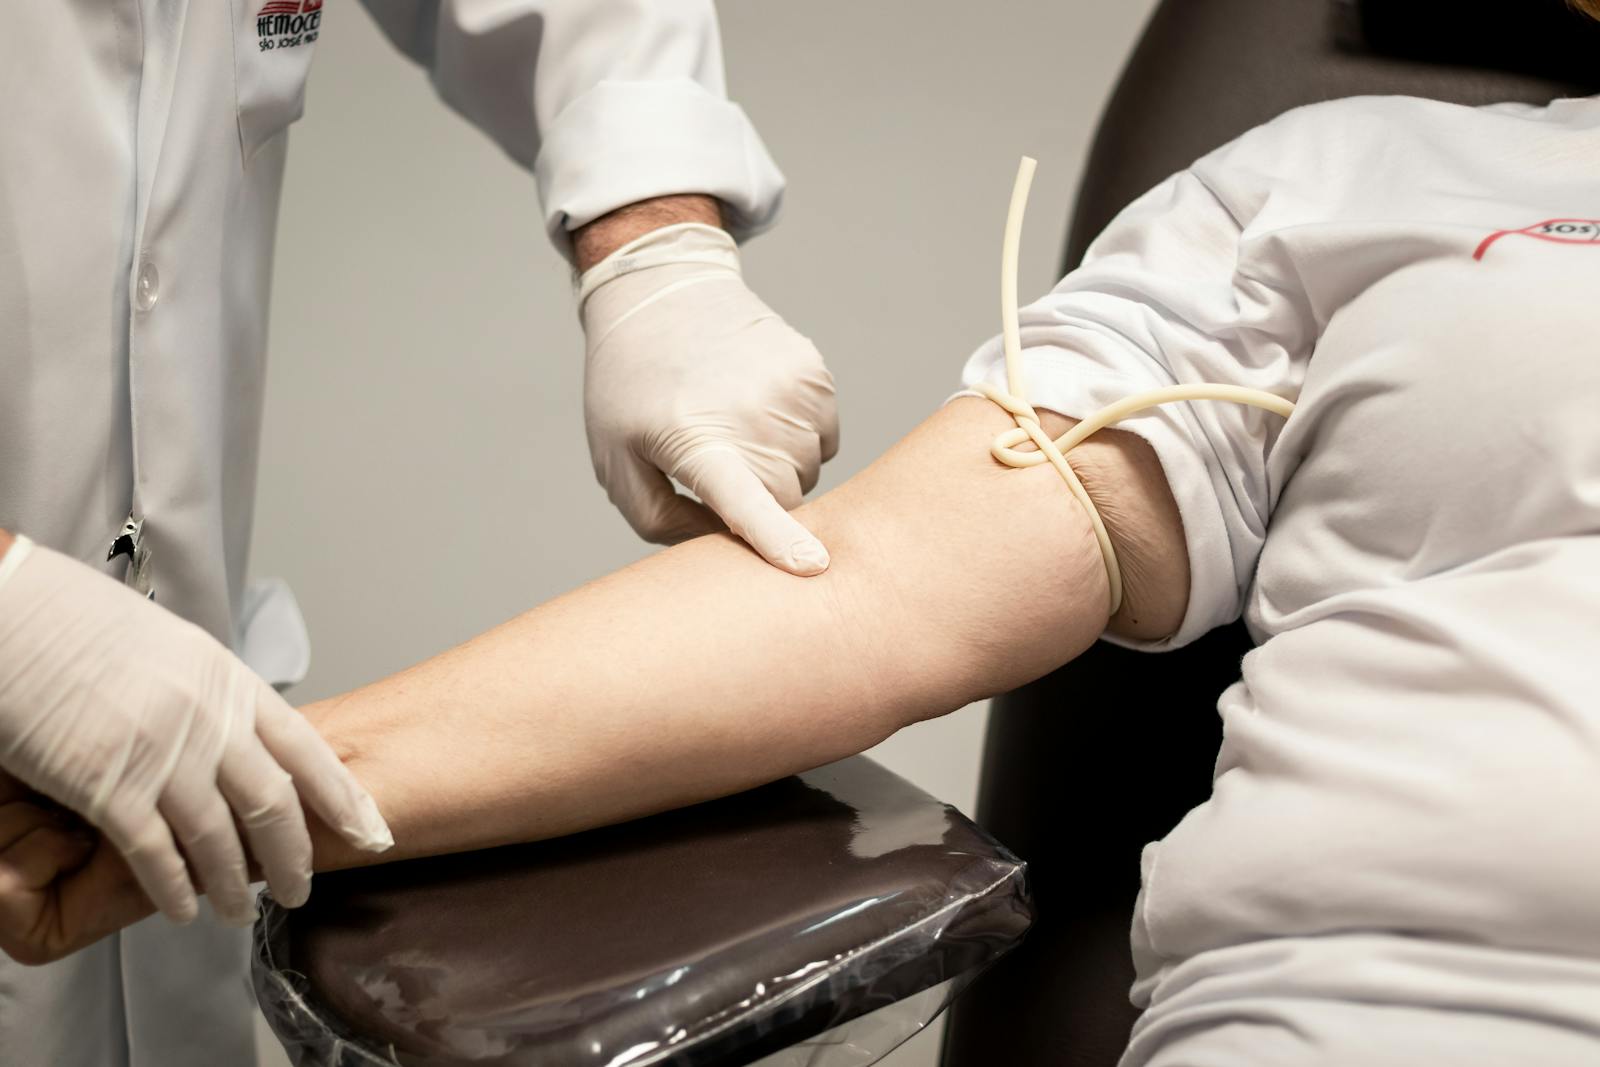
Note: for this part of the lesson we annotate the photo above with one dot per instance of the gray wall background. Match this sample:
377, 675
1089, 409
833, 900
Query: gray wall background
424, 471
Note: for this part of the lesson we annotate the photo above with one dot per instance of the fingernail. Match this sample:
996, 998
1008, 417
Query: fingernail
809, 557
185, 913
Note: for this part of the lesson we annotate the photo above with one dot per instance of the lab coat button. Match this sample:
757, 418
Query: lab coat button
147, 288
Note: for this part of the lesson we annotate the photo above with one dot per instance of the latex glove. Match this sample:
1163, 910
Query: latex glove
160, 737
690, 375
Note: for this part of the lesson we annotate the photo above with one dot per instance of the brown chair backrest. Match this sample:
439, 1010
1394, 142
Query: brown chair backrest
1085, 766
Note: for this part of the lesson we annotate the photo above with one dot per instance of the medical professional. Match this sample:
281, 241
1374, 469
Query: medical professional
140, 166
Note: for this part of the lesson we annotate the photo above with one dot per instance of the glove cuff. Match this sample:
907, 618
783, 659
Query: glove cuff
21, 548
683, 242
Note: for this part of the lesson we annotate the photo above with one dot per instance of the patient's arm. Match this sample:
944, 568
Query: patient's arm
702, 671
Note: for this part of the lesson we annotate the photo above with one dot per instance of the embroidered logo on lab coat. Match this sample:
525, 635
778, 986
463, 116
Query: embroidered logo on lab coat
288, 23
1562, 231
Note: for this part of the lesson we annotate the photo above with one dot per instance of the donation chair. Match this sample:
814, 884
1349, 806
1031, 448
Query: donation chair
820, 920
1085, 766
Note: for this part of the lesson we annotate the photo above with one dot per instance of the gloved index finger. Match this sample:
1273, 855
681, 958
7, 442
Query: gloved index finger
731, 489
326, 784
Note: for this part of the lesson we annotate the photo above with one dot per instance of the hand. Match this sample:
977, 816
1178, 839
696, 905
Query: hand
160, 738
690, 375
63, 886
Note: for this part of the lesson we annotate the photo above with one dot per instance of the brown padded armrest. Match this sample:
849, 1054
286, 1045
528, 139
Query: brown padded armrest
707, 936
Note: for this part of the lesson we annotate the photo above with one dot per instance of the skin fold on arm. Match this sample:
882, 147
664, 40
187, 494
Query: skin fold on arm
703, 670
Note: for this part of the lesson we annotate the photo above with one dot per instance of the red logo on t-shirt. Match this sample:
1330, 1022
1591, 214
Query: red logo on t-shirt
1562, 231
288, 23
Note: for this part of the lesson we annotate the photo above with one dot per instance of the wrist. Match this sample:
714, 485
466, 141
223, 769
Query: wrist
598, 239
702, 249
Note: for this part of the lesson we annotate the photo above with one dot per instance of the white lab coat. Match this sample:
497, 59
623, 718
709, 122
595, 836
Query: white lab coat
140, 166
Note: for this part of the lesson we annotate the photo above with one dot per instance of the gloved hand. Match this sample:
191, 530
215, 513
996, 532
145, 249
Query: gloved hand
690, 375
158, 736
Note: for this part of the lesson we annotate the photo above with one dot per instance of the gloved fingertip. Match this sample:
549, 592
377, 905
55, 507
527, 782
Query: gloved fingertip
183, 911
808, 558
368, 831
368, 839
232, 902
295, 894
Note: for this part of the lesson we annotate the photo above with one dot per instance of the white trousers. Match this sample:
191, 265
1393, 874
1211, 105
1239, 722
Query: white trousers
1371, 1000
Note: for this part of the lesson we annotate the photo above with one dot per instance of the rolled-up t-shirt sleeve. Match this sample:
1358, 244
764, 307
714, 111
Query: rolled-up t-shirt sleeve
1160, 300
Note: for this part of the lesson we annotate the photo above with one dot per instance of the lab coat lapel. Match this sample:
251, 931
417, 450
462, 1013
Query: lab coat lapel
162, 26
184, 989
188, 392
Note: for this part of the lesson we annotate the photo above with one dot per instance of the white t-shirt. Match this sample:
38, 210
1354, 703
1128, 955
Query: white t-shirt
1414, 747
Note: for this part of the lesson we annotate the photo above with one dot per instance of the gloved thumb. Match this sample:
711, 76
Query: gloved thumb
730, 488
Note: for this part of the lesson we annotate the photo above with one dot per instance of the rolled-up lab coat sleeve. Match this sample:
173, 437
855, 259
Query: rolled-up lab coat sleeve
607, 102
1162, 299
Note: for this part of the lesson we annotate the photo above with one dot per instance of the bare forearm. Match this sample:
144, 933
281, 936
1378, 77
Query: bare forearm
702, 671
597, 240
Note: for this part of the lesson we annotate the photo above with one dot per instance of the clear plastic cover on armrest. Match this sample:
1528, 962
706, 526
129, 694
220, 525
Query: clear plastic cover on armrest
818, 921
